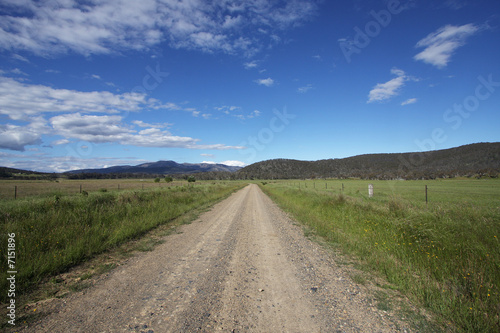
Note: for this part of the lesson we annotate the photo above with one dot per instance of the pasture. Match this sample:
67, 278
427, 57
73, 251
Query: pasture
9, 189
444, 255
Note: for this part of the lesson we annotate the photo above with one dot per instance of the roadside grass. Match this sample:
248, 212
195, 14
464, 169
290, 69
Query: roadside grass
445, 256
55, 233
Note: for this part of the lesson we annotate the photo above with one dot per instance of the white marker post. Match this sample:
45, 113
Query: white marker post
370, 190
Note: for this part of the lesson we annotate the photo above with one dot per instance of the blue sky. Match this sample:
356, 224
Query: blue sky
87, 84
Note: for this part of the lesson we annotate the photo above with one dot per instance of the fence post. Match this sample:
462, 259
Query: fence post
80, 188
426, 194
370, 190
15, 192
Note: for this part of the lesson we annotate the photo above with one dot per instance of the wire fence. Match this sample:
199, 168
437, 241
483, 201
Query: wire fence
473, 191
11, 190
467, 191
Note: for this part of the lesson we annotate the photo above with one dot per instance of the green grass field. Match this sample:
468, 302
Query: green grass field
445, 255
40, 188
55, 231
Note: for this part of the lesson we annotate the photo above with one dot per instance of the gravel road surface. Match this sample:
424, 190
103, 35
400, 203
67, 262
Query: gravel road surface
243, 266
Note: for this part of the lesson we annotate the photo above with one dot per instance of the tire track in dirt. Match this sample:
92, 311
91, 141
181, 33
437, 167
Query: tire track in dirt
244, 266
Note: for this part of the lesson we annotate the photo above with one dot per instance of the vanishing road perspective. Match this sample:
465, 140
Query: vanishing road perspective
243, 266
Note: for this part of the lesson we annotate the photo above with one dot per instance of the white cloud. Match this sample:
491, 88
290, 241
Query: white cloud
96, 129
207, 41
234, 163
60, 142
17, 71
17, 137
19, 101
101, 129
305, 89
442, 43
249, 65
140, 123
254, 113
164, 139
20, 58
265, 82
455, 4
409, 101
237, 112
389, 89
76, 120
228, 163
28, 103
397, 71
109, 26
215, 147
227, 109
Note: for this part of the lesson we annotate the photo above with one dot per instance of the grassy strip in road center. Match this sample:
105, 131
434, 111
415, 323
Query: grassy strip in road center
446, 256
53, 234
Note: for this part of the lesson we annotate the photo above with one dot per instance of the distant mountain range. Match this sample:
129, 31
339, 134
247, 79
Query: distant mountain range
479, 159
161, 168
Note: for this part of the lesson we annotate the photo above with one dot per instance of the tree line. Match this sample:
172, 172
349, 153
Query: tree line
475, 160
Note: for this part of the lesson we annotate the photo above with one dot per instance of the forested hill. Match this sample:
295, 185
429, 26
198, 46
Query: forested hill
480, 159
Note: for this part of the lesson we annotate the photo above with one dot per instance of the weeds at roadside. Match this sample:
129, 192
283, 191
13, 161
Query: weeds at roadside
86, 276
383, 301
107, 267
359, 278
148, 244
79, 286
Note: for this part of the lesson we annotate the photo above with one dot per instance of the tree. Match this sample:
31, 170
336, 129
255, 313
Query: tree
157, 179
191, 179
168, 179
4, 173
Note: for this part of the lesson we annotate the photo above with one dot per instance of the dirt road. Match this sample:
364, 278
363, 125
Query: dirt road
244, 266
